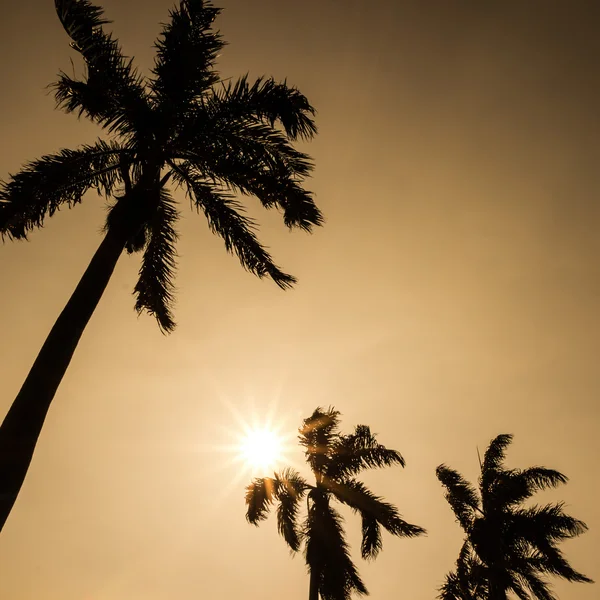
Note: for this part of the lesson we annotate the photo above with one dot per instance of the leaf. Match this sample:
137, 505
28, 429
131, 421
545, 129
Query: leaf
290, 491
225, 218
318, 435
112, 93
271, 102
460, 494
492, 462
42, 186
371, 508
354, 453
154, 288
259, 497
186, 52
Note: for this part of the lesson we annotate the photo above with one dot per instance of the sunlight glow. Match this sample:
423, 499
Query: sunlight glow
258, 439
262, 449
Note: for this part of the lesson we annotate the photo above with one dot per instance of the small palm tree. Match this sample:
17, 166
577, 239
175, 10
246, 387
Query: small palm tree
180, 126
508, 547
335, 460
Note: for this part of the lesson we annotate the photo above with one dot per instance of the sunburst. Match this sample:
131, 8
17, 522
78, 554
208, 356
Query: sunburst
262, 449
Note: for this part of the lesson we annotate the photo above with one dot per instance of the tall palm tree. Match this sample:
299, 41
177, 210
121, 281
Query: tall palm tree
508, 547
335, 460
183, 126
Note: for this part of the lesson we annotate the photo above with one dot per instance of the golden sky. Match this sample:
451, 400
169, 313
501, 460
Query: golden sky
452, 295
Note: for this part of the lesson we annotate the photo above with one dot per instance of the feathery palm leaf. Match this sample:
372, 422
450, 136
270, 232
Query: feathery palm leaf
265, 101
467, 581
450, 589
548, 522
186, 53
259, 497
374, 511
253, 159
290, 489
317, 435
358, 451
154, 287
492, 462
253, 147
461, 496
112, 93
225, 218
517, 485
44, 185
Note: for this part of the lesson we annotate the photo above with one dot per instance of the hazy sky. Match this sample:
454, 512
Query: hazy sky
452, 295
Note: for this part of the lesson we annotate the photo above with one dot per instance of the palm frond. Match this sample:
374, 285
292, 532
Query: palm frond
260, 495
225, 218
327, 552
460, 494
517, 485
450, 589
44, 185
472, 573
541, 528
252, 159
186, 52
518, 586
291, 488
492, 461
526, 576
154, 288
551, 561
468, 581
541, 478
318, 435
293, 482
232, 145
546, 522
357, 496
372, 542
112, 92
356, 452
269, 102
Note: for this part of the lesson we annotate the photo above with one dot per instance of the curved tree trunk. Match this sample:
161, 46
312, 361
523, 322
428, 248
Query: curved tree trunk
23, 423
313, 593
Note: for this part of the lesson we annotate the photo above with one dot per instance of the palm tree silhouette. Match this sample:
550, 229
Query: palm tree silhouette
183, 126
335, 460
508, 547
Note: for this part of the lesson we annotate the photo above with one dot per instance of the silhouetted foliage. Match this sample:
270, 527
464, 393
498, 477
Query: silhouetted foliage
334, 459
181, 125
508, 547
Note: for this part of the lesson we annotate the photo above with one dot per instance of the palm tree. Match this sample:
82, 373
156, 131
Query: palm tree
335, 460
508, 547
181, 125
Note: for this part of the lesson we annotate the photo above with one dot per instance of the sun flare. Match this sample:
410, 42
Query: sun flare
262, 449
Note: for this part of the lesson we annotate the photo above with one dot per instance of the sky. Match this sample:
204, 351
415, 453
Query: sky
451, 296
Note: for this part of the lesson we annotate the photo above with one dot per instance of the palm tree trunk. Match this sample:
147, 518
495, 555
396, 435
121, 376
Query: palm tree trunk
23, 423
313, 592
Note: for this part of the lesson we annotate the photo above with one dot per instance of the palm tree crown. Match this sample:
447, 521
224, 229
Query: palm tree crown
181, 126
508, 547
335, 460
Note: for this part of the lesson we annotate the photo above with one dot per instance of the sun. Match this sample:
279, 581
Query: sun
261, 449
